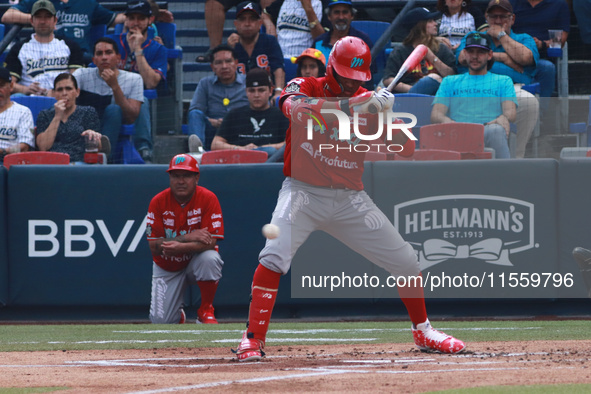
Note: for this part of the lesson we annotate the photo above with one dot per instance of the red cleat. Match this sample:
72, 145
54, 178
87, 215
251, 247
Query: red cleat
428, 339
205, 316
250, 349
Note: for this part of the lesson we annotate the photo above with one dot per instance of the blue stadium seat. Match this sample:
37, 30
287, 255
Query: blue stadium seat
417, 104
35, 103
125, 152
375, 30
96, 32
290, 69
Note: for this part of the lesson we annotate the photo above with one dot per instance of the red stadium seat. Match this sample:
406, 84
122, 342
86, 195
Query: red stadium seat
375, 156
466, 138
233, 156
431, 154
36, 158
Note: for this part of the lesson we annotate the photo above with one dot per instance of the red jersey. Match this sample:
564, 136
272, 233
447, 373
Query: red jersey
304, 159
168, 219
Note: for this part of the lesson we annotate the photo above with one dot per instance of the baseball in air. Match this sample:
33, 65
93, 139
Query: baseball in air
270, 231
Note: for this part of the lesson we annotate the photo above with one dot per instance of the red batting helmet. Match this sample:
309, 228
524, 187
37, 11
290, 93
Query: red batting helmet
183, 162
350, 57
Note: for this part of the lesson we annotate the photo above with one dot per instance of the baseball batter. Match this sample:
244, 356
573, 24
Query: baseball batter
183, 227
323, 191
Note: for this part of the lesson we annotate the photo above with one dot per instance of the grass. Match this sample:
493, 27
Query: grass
537, 389
147, 336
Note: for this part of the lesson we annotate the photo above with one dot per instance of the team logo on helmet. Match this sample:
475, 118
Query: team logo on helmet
179, 160
356, 62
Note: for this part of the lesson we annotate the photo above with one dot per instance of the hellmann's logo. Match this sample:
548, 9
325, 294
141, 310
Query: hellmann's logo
466, 226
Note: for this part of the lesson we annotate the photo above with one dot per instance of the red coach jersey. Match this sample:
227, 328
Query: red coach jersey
304, 160
168, 219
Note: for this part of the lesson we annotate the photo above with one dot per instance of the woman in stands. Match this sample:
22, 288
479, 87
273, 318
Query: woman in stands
311, 63
65, 127
439, 61
459, 18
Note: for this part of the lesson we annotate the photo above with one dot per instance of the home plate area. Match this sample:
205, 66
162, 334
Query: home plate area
319, 368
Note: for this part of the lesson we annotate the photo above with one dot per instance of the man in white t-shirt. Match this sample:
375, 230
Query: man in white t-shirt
16, 121
35, 62
117, 95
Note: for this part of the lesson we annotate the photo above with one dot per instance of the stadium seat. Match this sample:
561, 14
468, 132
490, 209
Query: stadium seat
431, 154
417, 104
96, 32
375, 156
374, 30
290, 69
35, 103
582, 130
125, 152
233, 156
36, 158
466, 138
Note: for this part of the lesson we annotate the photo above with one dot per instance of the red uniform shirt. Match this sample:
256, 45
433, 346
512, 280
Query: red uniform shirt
304, 160
168, 219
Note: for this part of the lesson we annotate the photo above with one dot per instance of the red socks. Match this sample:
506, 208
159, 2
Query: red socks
264, 292
413, 298
208, 289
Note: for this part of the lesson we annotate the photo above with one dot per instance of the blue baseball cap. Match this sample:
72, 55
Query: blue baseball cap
416, 15
335, 2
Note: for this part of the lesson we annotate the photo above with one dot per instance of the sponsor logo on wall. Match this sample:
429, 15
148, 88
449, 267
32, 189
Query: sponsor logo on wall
466, 226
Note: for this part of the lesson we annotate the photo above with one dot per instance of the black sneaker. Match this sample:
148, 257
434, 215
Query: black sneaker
205, 58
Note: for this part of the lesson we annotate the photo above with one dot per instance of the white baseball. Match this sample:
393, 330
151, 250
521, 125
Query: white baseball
270, 231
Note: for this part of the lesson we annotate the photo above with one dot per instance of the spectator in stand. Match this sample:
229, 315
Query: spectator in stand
255, 49
16, 131
458, 18
536, 17
478, 96
65, 127
36, 61
144, 56
439, 61
298, 25
214, 97
340, 14
311, 63
75, 18
215, 15
160, 15
256, 126
117, 95
515, 55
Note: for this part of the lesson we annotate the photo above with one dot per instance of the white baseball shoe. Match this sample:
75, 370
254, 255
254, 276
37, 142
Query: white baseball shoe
250, 349
429, 339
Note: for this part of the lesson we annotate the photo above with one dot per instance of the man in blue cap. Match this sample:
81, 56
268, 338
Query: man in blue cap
340, 13
478, 96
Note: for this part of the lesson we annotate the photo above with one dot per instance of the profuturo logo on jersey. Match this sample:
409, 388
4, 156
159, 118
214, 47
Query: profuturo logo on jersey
466, 226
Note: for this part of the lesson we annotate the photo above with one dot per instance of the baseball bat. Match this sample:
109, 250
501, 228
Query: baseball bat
411, 62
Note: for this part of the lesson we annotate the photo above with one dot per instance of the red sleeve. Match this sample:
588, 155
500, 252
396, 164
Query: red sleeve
154, 225
212, 216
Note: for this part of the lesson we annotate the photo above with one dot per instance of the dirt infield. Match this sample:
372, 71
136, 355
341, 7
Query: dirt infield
327, 368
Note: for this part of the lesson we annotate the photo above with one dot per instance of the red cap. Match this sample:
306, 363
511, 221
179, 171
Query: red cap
183, 162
